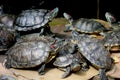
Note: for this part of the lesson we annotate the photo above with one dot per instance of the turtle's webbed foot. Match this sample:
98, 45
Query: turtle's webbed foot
67, 73
41, 70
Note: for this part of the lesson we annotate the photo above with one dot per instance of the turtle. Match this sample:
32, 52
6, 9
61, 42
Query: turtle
31, 54
70, 63
112, 38
84, 25
94, 51
7, 38
34, 20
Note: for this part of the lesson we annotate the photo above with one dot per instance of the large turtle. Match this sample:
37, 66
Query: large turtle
70, 63
32, 19
84, 25
7, 38
94, 51
32, 53
112, 39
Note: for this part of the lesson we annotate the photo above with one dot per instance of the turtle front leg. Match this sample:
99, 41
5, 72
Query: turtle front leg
41, 71
67, 73
42, 31
102, 74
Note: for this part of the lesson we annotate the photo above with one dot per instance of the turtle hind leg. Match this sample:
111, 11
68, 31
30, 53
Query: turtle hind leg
67, 73
7, 65
102, 74
41, 71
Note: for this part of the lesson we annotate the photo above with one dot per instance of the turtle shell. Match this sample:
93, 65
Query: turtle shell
88, 26
84, 25
63, 61
93, 50
28, 54
33, 18
112, 39
7, 38
35, 37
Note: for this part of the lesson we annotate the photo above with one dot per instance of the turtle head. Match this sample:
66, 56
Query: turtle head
57, 45
68, 27
110, 17
68, 17
1, 9
53, 13
112, 20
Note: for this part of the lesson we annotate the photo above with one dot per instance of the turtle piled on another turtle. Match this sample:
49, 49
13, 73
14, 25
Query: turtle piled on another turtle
112, 39
69, 60
7, 38
32, 19
84, 25
70, 63
95, 52
32, 53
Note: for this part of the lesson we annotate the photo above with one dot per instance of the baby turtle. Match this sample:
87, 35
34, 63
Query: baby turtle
31, 54
112, 39
7, 38
94, 51
70, 63
34, 19
84, 25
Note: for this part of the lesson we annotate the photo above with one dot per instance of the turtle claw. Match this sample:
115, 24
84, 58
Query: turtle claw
41, 70
67, 73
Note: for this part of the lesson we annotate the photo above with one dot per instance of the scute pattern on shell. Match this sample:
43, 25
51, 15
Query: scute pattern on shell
63, 61
26, 55
112, 39
94, 51
31, 19
88, 26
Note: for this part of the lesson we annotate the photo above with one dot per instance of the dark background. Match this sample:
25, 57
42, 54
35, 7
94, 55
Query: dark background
76, 8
